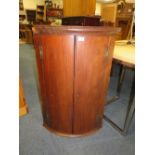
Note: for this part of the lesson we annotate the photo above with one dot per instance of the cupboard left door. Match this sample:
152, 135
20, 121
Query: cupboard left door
55, 60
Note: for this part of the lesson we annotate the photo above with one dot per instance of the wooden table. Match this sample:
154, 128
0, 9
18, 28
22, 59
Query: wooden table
124, 54
25, 32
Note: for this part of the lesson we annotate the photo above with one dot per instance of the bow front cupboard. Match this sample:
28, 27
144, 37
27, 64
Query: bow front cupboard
74, 65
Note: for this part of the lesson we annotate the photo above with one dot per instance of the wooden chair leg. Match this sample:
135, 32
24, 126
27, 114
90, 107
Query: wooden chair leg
22, 103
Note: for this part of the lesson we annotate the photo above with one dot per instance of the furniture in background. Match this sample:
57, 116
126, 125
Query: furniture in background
25, 33
79, 7
21, 7
109, 12
124, 18
124, 22
54, 12
22, 14
31, 16
29, 36
23, 110
120, 14
124, 55
53, 15
40, 13
125, 9
73, 77
81, 20
131, 33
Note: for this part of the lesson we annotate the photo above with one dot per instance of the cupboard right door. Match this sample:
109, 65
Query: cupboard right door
93, 58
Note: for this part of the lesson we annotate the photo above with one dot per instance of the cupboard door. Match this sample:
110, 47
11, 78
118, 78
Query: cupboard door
57, 62
93, 55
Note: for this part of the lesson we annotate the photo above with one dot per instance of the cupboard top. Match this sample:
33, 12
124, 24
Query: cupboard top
46, 29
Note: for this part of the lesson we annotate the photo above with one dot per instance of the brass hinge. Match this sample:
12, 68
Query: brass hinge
41, 52
98, 119
106, 51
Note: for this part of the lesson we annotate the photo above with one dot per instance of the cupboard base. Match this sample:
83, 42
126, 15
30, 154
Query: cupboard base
70, 135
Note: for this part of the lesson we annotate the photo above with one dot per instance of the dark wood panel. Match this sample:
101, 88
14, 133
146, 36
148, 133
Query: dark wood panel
92, 69
74, 66
81, 20
41, 82
50, 30
58, 70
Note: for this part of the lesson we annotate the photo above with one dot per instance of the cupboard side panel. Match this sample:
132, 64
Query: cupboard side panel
40, 77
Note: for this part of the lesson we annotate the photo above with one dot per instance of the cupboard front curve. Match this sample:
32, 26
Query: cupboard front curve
73, 68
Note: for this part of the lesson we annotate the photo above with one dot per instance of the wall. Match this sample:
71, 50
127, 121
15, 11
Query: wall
98, 9
29, 4
130, 1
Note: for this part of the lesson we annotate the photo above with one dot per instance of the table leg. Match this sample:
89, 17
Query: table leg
120, 79
130, 109
119, 85
129, 114
112, 69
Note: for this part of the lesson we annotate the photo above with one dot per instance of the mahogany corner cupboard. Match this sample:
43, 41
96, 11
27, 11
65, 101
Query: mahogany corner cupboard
74, 64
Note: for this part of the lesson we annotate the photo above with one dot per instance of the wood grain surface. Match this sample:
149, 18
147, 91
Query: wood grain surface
74, 68
92, 69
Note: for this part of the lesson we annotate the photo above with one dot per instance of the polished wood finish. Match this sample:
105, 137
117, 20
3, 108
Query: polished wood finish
73, 65
23, 110
81, 20
92, 67
58, 69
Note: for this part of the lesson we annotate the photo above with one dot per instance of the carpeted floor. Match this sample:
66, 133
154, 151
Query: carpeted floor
36, 140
